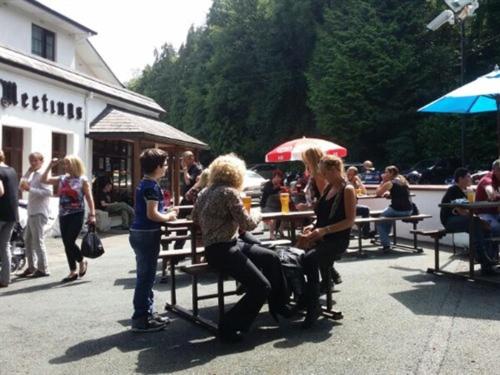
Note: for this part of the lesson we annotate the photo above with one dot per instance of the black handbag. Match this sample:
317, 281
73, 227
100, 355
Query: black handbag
91, 244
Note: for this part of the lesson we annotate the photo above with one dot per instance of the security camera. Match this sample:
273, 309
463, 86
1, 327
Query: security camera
457, 5
445, 16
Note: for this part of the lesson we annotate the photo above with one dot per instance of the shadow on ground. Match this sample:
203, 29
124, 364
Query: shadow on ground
444, 296
183, 346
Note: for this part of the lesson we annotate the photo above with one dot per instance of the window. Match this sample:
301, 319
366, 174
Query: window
59, 149
43, 42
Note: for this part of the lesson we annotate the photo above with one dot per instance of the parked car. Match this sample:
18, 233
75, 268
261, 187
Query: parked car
432, 171
265, 170
252, 185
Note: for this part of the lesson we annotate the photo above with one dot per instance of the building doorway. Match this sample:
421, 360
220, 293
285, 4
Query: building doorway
12, 146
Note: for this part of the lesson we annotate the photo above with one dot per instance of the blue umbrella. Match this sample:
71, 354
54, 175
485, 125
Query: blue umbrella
481, 95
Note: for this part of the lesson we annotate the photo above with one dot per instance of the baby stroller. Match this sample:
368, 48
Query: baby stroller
17, 248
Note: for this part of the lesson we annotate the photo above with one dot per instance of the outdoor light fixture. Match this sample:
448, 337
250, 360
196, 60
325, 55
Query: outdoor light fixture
458, 12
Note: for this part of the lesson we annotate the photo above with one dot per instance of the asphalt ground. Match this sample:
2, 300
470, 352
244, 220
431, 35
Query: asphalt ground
398, 320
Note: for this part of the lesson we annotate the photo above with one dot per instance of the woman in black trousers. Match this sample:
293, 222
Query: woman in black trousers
73, 189
335, 212
220, 214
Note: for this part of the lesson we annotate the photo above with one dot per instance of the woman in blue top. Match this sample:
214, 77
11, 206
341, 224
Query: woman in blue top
73, 188
145, 239
396, 186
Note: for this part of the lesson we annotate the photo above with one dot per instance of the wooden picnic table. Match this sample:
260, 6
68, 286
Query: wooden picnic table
472, 209
375, 196
291, 217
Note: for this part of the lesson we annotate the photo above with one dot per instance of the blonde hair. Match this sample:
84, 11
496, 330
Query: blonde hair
204, 177
394, 172
311, 158
353, 169
227, 170
333, 162
76, 167
2, 156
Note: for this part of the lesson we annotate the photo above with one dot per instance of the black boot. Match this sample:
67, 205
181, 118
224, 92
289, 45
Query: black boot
336, 276
313, 307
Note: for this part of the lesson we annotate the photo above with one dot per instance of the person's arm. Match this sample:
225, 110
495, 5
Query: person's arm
43, 191
154, 215
383, 188
87, 192
491, 193
47, 177
23, 182
348, 222
2, 190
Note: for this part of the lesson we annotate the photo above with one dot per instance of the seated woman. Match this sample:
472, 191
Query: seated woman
396, 186
457, 220
335, 212
270, 200
220, 214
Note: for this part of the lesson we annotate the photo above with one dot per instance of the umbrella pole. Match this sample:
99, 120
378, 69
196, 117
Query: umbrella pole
498, 125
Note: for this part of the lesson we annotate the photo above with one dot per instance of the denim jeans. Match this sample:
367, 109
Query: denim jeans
146, 245
485, 250
384, 228
494, 221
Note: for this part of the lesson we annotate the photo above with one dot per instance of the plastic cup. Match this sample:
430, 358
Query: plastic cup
285, 202
247, 203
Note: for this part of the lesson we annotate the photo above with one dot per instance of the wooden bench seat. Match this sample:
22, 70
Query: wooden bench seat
412, 219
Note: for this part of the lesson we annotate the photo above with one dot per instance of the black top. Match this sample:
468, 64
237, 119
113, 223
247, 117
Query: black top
400, 196
331, 211
9, 202
269, 191
102, 196
194, 171
454, 192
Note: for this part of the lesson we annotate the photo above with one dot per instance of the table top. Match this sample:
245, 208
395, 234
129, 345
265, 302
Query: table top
178, 223
472, 206
375, 196
290, 215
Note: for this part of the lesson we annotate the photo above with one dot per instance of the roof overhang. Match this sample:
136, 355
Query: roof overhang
117, 123
40, 11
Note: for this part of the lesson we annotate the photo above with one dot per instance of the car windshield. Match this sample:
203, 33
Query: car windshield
253, 174
424, 164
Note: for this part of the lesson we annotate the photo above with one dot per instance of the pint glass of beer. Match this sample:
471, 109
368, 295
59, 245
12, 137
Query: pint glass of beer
247, 203
285, 202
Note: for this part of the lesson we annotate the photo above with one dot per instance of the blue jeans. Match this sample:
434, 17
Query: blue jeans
146, 245
494, 221
384, 228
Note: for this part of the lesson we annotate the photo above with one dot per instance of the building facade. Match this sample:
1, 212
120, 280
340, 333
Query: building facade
59, 97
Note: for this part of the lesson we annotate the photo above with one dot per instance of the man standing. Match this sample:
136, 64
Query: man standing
8, 216
105, 203
38, 215
487, 190
190, 171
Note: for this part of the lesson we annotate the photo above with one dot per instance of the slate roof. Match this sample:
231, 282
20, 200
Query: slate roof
115, 121
73, 78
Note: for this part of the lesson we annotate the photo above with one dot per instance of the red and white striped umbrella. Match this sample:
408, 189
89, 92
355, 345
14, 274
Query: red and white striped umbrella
292, 150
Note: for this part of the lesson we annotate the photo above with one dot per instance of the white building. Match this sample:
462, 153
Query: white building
59, 97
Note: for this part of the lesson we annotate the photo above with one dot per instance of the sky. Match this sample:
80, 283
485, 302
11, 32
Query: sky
128, 31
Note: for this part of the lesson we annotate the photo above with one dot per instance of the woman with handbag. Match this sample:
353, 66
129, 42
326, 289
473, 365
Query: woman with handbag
329, 237
73, 189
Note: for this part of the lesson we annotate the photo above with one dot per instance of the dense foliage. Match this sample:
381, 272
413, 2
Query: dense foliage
261, 72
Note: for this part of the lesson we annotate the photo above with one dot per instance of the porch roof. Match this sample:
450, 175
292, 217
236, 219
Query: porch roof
116, 122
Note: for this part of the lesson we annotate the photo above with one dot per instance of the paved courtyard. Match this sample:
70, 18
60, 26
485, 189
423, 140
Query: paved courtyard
398, 320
